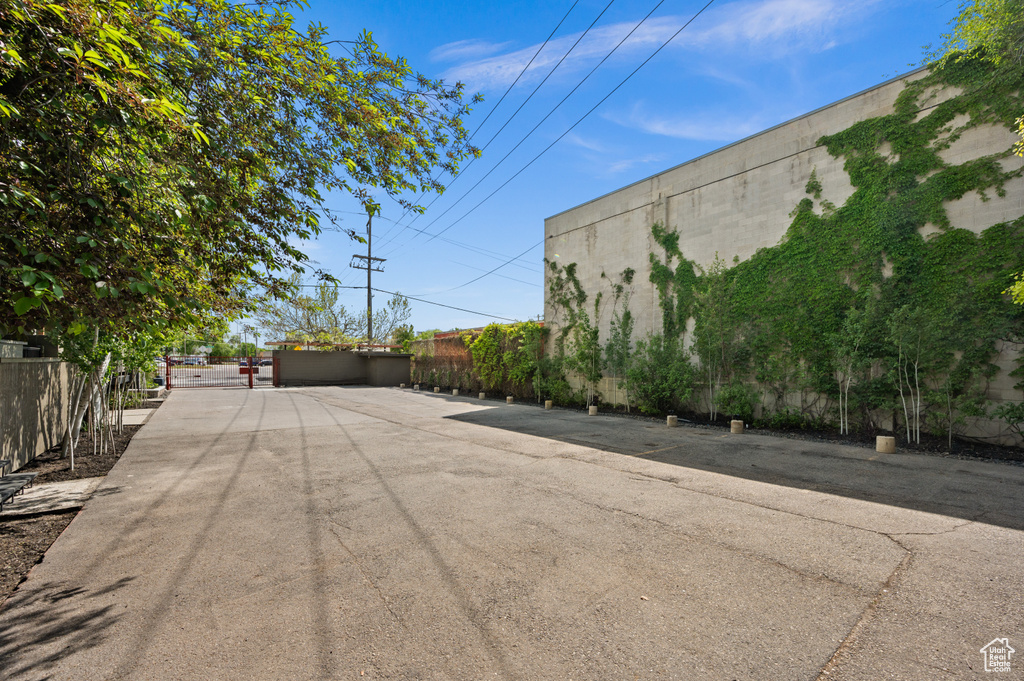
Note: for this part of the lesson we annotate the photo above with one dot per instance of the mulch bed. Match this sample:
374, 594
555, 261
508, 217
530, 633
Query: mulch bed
23, 541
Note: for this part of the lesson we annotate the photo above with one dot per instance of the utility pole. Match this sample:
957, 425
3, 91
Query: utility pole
368, 265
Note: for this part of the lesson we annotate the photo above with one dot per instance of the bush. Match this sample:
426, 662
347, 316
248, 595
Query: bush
737, 400
660, 375
549, 382
786, 419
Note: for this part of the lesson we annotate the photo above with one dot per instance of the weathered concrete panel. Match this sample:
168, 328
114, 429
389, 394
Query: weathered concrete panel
33, 407
386, 369
320, 368
342, 368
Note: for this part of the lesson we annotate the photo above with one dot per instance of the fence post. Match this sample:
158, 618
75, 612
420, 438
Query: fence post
250, 372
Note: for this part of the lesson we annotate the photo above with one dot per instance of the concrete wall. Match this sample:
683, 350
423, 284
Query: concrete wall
738, 199
320, 368
341, 368
33, 407
388, 369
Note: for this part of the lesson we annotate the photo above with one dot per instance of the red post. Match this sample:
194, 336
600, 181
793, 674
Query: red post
250, 372
167, 369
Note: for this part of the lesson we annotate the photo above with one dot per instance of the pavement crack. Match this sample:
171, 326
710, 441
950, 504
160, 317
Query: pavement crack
365, 574
675, 531
846, 646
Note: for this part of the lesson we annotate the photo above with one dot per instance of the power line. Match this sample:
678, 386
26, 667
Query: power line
477, 249
480, 269
450, 307
421, 300
489, 113
487, 274
516, 112
541, 122
580, 120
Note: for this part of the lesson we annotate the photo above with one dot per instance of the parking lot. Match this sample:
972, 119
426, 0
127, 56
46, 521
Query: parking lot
383, 533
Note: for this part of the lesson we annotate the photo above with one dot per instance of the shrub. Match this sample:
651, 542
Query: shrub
737, 400
660, 375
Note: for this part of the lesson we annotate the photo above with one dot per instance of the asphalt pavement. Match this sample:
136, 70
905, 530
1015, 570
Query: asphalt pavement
360, 533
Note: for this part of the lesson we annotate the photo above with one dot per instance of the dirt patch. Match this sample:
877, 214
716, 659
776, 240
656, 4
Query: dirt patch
23, 541
52, 467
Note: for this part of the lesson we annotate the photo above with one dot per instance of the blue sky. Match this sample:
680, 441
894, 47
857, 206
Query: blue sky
740, 67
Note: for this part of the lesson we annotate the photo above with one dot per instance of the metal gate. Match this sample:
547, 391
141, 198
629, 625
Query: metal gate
200, 371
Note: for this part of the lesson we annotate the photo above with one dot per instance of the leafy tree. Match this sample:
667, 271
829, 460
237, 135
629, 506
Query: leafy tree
321, 317
737, 400
584, 350
661, 376
849, 359
160, 159
994, 26
618, 350
714, 329
403, 335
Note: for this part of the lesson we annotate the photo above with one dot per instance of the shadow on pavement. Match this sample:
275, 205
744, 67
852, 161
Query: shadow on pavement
53, 614
972, 490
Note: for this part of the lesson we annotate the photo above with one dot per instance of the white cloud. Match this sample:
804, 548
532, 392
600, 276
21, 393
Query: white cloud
779, 26
770, 27
466, 49
588, 144
627, 163
500, 71
709, 127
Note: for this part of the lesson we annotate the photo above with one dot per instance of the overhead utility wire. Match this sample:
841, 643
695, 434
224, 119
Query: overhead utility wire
450, 307
487, 274
534, 129
580, 120
420, 300
469, 247
484, 121
516, 112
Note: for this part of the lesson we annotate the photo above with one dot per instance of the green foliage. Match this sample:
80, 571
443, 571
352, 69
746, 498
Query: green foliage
506, 356
567, 298
1011, 413
661, 376
737, 400
993, 27
715, 329
854, 304
675, 285
794, 298
1016, 289
403, 335
160, 158
584, 356
618, 351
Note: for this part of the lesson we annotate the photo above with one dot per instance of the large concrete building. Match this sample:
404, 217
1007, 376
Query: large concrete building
735, 200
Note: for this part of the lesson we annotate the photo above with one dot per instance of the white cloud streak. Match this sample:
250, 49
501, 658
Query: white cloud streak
772, 28
466, 50
709, 127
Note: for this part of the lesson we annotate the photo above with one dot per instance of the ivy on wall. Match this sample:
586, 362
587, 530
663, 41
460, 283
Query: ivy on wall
782, 319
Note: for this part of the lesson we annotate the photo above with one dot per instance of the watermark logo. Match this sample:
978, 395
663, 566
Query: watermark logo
997, 655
